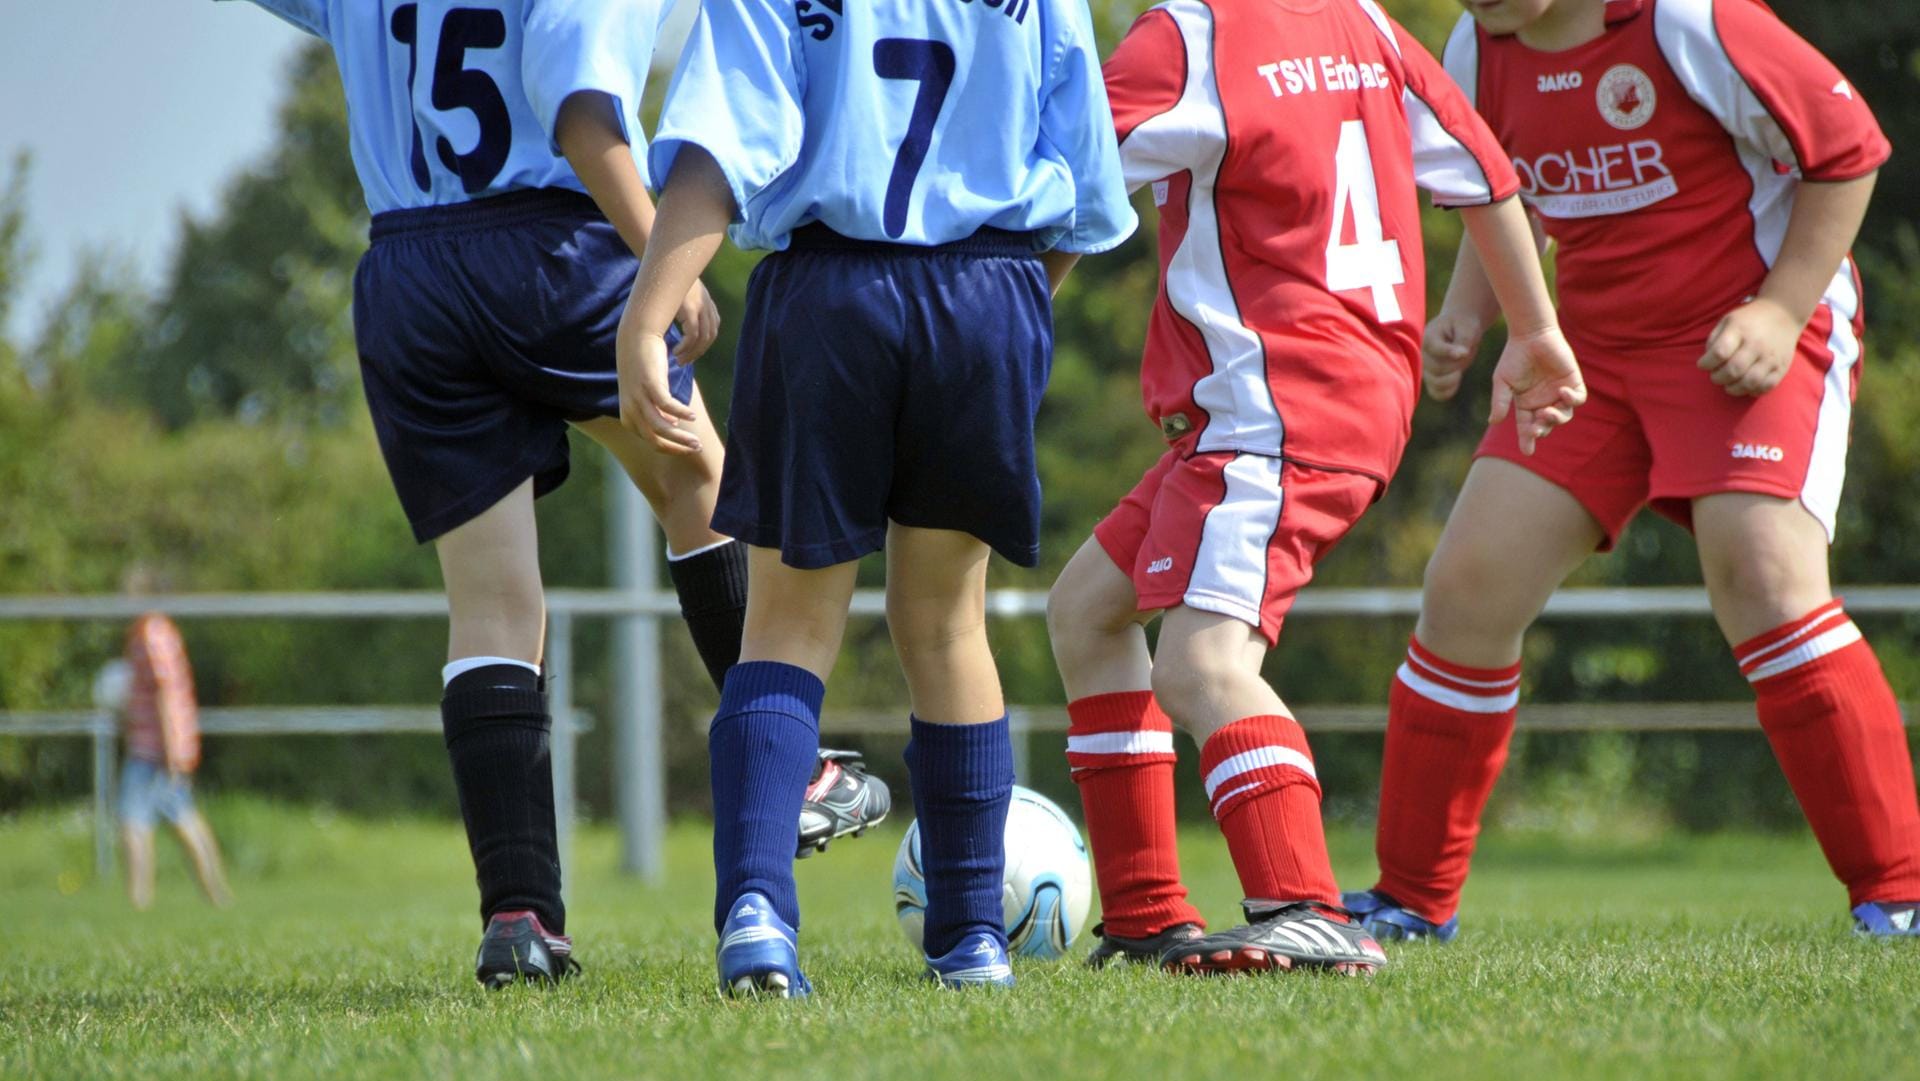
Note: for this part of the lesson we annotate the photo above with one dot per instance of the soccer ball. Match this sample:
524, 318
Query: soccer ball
1048, 885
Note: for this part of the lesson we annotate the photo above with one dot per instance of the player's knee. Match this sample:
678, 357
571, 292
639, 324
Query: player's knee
1185, 680
1464, 597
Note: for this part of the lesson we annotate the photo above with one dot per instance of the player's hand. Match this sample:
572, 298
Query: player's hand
647, 407
1538, 381
1751, 350
1447, 350
699, 324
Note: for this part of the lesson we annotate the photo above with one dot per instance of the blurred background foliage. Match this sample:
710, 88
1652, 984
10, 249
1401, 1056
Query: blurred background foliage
212, 429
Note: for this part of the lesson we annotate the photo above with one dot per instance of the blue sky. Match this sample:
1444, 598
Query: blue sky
135, 111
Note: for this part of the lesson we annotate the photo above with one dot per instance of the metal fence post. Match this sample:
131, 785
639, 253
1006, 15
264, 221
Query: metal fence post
560, 698
1020, 731
103, 731
639, 755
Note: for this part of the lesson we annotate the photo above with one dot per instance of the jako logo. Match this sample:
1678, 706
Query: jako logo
1566, 80
1761, 451
1161, 565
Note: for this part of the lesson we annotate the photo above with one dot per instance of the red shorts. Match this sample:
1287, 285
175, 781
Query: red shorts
1236, 534
1656, 430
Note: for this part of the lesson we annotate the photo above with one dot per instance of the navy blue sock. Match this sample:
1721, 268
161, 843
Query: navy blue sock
761, 751
962, 782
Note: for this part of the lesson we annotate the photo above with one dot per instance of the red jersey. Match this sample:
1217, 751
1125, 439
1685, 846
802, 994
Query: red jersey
1284, 140
162, 718
1663, 157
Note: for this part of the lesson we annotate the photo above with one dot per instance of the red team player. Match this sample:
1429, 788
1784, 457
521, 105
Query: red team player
1703, 171
1284, 142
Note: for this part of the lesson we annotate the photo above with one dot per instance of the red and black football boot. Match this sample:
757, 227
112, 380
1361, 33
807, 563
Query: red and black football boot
517, 947
1280, 936
1146, 950
842, 799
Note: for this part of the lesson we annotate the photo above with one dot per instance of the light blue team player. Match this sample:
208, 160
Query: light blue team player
926, 170
485, 315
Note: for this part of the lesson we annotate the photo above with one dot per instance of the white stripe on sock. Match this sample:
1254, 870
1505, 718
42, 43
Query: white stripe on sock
1121, 743
1823, 623
1258, 758
673, 557
1460, 700
1836, 639
1490, 684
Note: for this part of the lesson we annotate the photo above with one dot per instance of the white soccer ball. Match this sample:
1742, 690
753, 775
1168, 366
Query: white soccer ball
1048, 886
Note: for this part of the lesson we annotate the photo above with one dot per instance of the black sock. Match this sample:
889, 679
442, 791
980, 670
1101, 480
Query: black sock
496, 724
713, 599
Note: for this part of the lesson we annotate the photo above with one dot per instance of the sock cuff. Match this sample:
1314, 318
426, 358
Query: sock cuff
495, 695
1122, 711
1826, 629
454, 669
1124, 729
1470, 690
1255, 753
772, 687
966, 757
711, 579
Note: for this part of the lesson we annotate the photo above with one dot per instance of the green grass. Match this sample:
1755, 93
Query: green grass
347, 955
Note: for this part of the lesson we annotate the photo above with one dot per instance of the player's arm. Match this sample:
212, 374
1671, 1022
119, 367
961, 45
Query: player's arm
589, 133
1775, 93
1467, 312
731, 126
1458, 160
1751, 350
1075, 117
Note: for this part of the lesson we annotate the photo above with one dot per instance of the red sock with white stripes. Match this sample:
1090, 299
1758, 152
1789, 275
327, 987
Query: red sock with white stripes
1834, 725
1448, 727
1120, 747
1260, 781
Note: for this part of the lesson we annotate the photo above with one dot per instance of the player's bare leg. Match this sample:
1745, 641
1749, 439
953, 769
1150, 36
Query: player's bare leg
1097, 631
1260, 781
491, 567
204, 853
1512, 538
1823, 701
138, 845
680, 488
937, 617
795, 616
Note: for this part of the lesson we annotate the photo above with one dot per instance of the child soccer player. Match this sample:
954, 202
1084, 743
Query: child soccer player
1703, 171
1284, 144
499, 151
923, 172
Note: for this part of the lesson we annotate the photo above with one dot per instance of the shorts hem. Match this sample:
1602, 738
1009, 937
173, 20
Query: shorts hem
1610, 531
1231, 607
812, 556
432, 527
1020, 555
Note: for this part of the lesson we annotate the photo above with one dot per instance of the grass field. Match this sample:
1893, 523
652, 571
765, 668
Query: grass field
347, 957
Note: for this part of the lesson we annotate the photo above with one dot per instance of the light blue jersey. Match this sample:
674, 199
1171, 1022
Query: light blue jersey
454, 100
915, 121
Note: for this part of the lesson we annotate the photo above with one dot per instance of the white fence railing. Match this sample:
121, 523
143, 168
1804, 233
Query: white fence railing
635, 717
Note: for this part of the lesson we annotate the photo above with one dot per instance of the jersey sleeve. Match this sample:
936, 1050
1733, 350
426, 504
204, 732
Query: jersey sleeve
736, 95
571, 46
1770, 89
1146, 77
1077, 120
1456, 158
308, 15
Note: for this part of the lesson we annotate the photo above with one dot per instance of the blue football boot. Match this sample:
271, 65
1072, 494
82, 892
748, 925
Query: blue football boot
1387, 921
978, 960
1887, 919
758, 952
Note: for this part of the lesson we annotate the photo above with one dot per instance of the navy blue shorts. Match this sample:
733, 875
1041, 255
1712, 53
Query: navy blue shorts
483, 329
887, 382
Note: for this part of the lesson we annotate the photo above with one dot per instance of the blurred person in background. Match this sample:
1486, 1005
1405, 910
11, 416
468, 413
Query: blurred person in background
151, 688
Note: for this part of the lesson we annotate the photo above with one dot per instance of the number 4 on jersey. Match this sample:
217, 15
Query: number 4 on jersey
1372, 261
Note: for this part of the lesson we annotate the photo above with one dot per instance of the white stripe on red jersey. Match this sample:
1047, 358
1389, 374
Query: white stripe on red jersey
1285, 149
